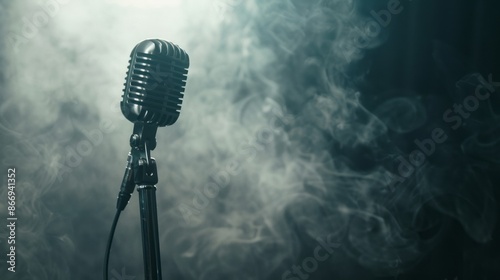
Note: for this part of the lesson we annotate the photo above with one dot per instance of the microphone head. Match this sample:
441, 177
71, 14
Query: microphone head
155, 82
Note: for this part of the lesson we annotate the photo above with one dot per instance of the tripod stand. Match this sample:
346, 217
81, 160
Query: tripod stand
141, 172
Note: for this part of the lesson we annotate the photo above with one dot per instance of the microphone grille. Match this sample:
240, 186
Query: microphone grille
155, 83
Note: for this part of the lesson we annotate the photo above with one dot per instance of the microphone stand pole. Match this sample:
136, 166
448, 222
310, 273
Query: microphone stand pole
141, 171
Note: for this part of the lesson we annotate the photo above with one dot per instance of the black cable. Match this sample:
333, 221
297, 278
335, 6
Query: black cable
108, 246
126, 189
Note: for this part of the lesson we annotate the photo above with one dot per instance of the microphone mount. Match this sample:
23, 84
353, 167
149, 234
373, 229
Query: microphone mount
141, 167
142, 142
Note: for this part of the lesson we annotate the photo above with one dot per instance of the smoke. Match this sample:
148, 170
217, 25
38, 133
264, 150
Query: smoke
272, 151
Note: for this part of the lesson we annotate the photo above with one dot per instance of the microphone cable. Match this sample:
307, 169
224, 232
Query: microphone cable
108, 246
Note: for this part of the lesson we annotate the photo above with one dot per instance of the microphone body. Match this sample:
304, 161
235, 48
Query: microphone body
152, 97
155, 83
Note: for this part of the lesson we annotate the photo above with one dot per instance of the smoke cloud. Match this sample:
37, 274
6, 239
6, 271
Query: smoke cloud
274, 148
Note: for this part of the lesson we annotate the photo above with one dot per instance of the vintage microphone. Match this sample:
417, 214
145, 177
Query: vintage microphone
152, 98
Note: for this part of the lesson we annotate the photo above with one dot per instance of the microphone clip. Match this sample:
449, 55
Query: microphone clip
143, 141
141, 167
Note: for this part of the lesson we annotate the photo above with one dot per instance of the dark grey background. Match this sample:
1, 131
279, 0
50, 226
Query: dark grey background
294, 117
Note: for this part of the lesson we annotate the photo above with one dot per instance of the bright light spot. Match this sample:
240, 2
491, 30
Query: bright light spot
147, 3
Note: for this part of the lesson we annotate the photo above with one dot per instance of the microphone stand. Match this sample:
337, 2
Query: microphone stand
141, 172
